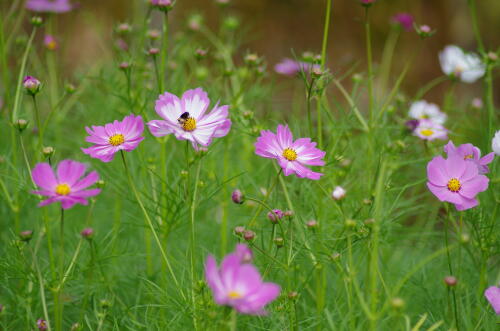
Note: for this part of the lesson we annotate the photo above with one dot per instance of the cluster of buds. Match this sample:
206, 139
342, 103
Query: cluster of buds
248, 235
31, 85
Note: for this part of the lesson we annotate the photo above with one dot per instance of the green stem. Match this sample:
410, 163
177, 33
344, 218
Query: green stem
490, 105
326, 29
369, 63
475, 26
42, 290
150, 223
38, 124
164, 50
233, 321
17, 97
192, 244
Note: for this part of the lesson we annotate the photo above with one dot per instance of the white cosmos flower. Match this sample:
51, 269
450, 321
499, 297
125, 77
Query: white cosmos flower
465, 66
495, 143
424, 110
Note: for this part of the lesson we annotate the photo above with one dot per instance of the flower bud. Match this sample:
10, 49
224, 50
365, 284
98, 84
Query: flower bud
239, 230
153, 34
349, 223
21, 124
76, 327
195, 22
237, 197
450, 281
367, 3
317, 72
105, 304
200, 53
335, 256
123, 28
464, 238
32, 85
50, 42
275, 215
163, 5
100, 183
249, 235
369, 221
338, 193
87, 233
231, 23
279, 242
288, 213
41, 324
37, 21
357, 78
153, 51
367, 201
293, 295
424, 31
252, 59
311, 224
492, 56
70, 88
124, 66
397, 303
477, 103
48, 151
26, 235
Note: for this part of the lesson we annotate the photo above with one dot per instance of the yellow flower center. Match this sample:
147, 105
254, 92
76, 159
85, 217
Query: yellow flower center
189, 124
62, 189
458, 70
51, 45
290, 154
425, 116
427, 132
234, 295
468, 156
117, 139
454, 185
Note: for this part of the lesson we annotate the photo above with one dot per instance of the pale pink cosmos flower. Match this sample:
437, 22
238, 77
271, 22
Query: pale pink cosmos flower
471, 153
467, 67
113, 137
455, 180
292, 156
65, 186
49, 6
289, 67
422, 109
492, 294
239, 285
187, 119
429, 130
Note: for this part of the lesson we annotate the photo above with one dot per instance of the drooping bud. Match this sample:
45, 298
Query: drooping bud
275, 215
32, 85
237, 197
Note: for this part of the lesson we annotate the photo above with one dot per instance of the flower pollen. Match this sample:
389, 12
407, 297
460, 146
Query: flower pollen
234, 295
189, 124
117, 139
468, 157
427, 132
454, 185
63, 189
290, 154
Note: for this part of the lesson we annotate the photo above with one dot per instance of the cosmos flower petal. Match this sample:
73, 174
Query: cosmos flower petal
436, 171
492, 294
43, 176
195, 102
443, 194
254, 304
159, 128
455, 166
88, 180
467, 204
474, 186
169, 107
69, 171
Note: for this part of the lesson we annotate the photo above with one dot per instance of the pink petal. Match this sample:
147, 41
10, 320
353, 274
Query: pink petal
195, 102
43, 176
473, 186
88, 180
492, 294
436, 171
69, 171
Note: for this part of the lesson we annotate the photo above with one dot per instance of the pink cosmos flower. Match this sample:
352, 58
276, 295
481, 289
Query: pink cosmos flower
113, 137
289, 67
405, 20
239, 285
50, 42
292, 156
187, 120
65, 186
492, 294
471, 153
49, 6
430, 130
455, 180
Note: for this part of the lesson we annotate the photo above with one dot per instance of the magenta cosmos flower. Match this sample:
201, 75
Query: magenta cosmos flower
289, 67
239, 284
471, 153
65, 186
187, 120
492, 294
455, 180
49, 6
292, 156
113, 137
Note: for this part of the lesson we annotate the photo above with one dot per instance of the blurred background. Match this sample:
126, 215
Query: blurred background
276, 28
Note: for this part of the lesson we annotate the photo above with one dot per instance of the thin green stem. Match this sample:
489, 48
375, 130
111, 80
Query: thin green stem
164, 51
42, 289
326, 29
475, 26
192, 244
369, 63
150, 224
17, 97
38, 123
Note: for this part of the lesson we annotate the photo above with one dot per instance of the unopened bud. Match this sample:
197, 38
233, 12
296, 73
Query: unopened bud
32, 85
492, 56
477, 103
279, 242
124, 66
163, 5
397, 303
275, 215
153, 51
237, 197
311, 224
349, 223
249, 235
239, 230
123, 28
335, 256
338, 193
231, 23
100, 183
252, 59
153, 34
70, 88
464, 238
200, 53
48, 151
105, 304
76, 327
450, 281
21, 124
288, 213
87, 233
293, 295
26, 235
37, 21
